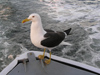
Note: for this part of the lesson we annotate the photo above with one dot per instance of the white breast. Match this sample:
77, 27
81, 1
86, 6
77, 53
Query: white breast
37, 35
36, 40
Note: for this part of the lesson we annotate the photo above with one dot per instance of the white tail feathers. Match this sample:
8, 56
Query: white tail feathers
65, 43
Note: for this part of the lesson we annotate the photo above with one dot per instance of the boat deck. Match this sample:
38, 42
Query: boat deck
37, 67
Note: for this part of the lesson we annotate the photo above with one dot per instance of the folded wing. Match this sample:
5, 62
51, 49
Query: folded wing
53, 39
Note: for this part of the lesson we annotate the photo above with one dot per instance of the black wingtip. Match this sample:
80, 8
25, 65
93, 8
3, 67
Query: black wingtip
68, 31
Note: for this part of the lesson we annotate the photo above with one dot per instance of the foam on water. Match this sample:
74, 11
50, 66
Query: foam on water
64, 11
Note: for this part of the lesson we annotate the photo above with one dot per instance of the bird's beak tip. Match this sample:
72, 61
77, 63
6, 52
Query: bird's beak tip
23, 21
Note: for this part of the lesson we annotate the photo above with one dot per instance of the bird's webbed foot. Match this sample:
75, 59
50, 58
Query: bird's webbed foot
47, 61
42, 56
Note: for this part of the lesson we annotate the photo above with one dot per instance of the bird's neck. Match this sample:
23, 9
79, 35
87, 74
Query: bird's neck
36, 28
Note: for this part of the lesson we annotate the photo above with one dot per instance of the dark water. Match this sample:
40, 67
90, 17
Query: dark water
58, 16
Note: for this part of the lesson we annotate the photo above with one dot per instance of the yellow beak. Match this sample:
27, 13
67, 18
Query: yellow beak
25, 20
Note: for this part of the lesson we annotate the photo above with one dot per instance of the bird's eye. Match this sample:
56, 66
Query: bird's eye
33, 16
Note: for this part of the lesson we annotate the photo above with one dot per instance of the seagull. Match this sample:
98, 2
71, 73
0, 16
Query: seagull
45, 38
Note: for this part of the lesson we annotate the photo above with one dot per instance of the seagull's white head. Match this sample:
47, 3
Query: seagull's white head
33, 17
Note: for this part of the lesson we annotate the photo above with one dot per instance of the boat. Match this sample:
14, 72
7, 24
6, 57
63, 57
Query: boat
28, 64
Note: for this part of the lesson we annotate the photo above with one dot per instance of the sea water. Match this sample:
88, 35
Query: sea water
83, 16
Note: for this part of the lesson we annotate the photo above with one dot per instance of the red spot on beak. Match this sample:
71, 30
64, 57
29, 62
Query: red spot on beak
23, 21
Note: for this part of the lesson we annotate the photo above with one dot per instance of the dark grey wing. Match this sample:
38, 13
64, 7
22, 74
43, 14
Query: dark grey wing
53, 39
